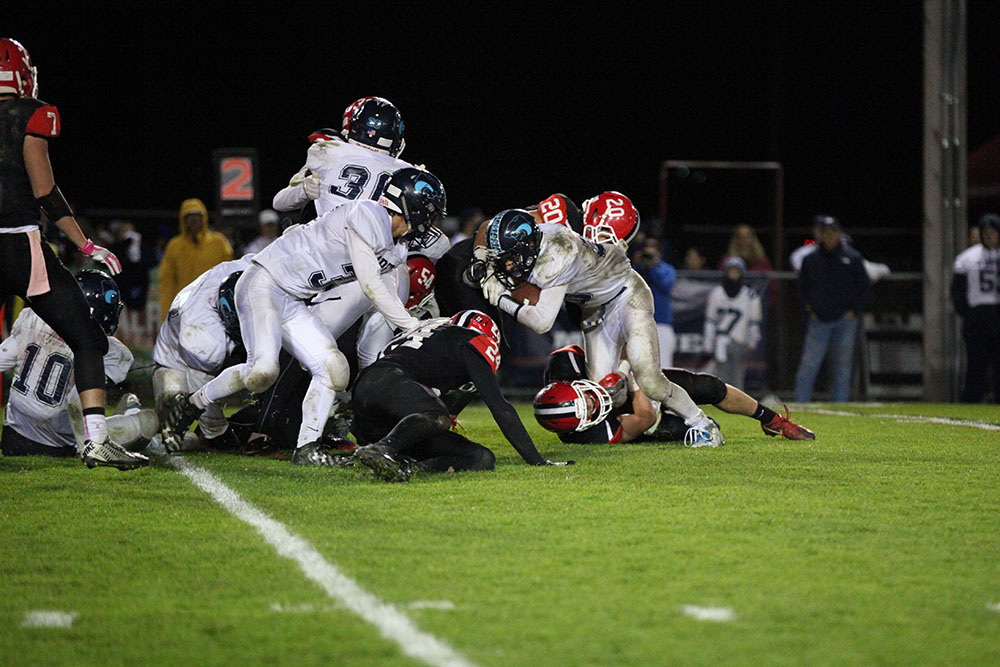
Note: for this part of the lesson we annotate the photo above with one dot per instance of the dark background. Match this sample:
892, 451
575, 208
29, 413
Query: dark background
507, 106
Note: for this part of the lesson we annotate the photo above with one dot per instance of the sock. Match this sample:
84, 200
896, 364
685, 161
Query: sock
763, 415
95, 424
316, 406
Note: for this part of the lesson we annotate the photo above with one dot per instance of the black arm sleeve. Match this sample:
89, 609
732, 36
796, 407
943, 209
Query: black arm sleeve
503, 412
960, 293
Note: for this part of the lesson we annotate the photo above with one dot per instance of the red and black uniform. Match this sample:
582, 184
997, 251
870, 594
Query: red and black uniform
28, 267
395, 402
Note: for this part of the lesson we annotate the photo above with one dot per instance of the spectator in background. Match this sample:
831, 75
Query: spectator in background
267, 220
137, 260
975, 290
834, 289
732, 324
694, 260
661, 277
193, 251
744, 244
874, 270
468, 222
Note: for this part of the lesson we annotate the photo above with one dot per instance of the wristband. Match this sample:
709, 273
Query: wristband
509, 305
87, 248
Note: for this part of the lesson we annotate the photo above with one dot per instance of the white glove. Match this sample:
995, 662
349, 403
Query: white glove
310, 186
493, 289
102, 255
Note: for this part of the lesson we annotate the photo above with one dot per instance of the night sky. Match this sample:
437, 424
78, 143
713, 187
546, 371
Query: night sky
507, 107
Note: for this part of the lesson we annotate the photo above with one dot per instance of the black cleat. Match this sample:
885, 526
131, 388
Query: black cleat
180, 415
314, 454
386, 464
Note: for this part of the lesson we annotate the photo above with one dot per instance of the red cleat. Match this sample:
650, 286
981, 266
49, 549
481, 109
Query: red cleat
786, 428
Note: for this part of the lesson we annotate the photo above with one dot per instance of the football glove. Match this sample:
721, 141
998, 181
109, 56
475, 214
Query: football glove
493, 289
102, 255
310, 186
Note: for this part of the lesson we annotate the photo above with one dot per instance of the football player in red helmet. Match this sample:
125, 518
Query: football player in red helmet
635, 418
28, 267
397, 415
610, 217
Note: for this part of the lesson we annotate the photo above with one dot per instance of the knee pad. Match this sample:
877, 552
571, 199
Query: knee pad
338, 370
261, 376
703, 388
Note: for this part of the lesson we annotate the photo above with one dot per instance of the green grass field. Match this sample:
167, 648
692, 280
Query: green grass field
878, 543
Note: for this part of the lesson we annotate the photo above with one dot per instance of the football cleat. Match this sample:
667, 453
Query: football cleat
786, 428
705, 433
111, 455
386, 464
314, 454
180, 415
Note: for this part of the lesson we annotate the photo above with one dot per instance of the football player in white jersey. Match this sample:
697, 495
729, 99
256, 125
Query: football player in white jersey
341, 263
355, 165
593, 273
44, 414
975, 291
200, 334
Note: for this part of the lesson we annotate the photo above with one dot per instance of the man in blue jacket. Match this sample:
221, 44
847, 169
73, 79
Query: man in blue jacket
660, 276
834, 289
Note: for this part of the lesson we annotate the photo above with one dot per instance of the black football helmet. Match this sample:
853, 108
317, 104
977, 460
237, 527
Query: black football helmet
514, 240
566, 365
377, 124
227, 307
419, 197
103, 297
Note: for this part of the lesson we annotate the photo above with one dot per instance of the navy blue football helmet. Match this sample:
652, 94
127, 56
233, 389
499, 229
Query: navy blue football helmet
376, 123
419, 197
103, 297
227, 307
514, 240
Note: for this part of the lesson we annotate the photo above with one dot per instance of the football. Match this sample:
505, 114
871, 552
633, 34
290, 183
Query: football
526, 292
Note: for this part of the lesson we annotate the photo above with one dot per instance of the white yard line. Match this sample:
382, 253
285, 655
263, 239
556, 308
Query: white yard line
390, 622
717, 614
948, 421
48, 619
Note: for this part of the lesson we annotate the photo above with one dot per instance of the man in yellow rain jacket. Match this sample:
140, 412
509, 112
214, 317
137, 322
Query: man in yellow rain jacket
189, 254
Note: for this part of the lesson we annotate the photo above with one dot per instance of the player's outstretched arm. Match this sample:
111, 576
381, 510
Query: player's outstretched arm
643, 416
54, 204
369, 275
503, 412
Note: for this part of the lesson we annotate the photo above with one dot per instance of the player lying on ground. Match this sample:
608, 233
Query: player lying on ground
336, 263
199, 338
44, 415
28, 267
594, 274
615, 410
398, 412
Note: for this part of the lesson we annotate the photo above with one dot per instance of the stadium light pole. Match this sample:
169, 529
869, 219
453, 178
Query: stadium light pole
945, 188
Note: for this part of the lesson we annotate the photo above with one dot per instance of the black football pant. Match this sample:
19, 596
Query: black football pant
981, 330
63, 307
411, 419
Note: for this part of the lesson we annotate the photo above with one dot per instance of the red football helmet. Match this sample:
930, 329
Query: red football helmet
477, 321
345, 123
422, 276
610, 217
564, 407
566, 364
17, 75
